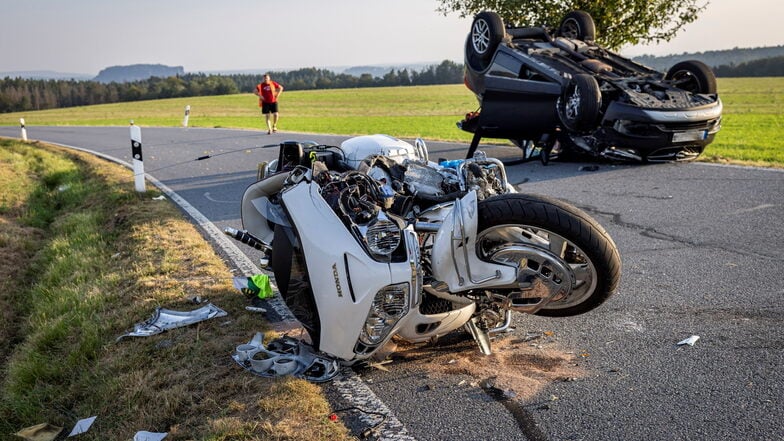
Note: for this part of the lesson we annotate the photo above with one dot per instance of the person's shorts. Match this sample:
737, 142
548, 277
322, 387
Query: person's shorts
269, 108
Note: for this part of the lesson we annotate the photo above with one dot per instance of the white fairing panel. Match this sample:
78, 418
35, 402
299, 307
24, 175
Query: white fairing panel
343, 277
251, 206
455, 261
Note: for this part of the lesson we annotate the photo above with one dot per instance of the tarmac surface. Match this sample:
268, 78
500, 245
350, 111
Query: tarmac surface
702, 248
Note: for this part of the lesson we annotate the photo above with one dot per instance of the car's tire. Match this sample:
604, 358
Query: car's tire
571, 235
487, 31
580, 102
578, 25
692, 76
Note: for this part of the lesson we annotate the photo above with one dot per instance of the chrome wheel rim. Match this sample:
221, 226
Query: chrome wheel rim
568, 253
480, 36
572, 106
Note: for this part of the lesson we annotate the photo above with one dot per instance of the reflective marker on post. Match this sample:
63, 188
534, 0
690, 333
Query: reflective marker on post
24, 130
136, 151
187, 114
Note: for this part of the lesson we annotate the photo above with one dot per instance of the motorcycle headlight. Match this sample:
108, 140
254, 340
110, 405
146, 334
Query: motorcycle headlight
382, 237
389, 306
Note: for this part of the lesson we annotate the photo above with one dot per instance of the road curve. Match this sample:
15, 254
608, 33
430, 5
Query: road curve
703, 251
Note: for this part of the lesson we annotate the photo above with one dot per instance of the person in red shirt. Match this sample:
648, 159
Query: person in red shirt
268, 92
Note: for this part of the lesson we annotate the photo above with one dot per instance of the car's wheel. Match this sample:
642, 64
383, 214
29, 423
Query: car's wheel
692, 76
578, 25
487, 31
579, 104
568, 237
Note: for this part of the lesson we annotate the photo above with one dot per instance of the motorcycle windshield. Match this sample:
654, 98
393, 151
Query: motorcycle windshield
271, 211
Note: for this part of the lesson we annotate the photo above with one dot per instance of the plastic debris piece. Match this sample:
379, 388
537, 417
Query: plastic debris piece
255, 309
39, 432
285, 356
159, 198
82, 426
165, 319
149, 436
255, 286
689, 341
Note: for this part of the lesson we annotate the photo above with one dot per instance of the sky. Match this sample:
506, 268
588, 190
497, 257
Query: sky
85, 36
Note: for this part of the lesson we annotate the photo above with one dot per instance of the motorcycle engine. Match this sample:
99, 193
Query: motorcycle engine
382, 184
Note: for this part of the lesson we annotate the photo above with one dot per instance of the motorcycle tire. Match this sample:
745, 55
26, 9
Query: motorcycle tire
562, 229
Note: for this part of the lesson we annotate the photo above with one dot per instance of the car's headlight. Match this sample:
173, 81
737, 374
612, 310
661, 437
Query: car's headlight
389, 306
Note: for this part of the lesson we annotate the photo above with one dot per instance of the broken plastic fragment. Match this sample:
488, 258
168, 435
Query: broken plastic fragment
689, 341
159, 198
39, 432
254, 286
149, 436
285, 356
82, 426
165, 319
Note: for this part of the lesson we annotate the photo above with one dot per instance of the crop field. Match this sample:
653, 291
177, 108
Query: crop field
752, 128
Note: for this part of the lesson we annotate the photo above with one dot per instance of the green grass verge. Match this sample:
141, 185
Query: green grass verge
752, 132
84, 258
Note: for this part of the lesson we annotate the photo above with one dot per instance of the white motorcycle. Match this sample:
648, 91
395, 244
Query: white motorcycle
370, 240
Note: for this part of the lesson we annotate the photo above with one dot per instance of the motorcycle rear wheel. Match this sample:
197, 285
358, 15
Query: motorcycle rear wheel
561, 229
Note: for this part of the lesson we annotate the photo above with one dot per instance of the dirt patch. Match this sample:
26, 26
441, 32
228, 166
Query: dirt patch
520, 365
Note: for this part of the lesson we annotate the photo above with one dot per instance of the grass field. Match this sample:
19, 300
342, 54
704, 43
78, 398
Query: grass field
84, 257
752, 131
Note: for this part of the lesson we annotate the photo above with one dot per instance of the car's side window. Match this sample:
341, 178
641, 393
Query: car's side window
526, 73
505, 65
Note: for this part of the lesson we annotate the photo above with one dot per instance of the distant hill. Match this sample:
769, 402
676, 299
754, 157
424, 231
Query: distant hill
728, 57
136, 72
45, 75
380, 71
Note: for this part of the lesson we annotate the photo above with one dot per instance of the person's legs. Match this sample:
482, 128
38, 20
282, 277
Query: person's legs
265, 110
275, 122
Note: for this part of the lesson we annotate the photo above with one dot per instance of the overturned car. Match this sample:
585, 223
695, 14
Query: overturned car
558, 91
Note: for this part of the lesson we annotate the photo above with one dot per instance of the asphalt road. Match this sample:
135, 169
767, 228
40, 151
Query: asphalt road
703, 252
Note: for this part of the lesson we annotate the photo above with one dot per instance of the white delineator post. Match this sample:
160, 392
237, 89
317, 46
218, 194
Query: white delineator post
136, 151
187, 114
24, 130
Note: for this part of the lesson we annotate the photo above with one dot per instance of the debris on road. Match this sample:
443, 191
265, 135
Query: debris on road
40, 432
689, 341
149, 436
255, 286
165, 319
82, 426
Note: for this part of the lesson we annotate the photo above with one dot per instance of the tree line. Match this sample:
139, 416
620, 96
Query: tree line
766, 67
18, 94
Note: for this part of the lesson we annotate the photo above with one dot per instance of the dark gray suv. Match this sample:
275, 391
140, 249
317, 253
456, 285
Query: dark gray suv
558, 92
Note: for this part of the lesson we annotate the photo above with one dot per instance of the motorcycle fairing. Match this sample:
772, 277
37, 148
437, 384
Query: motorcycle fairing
424, 327
252, 204
455, 261
344, 278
